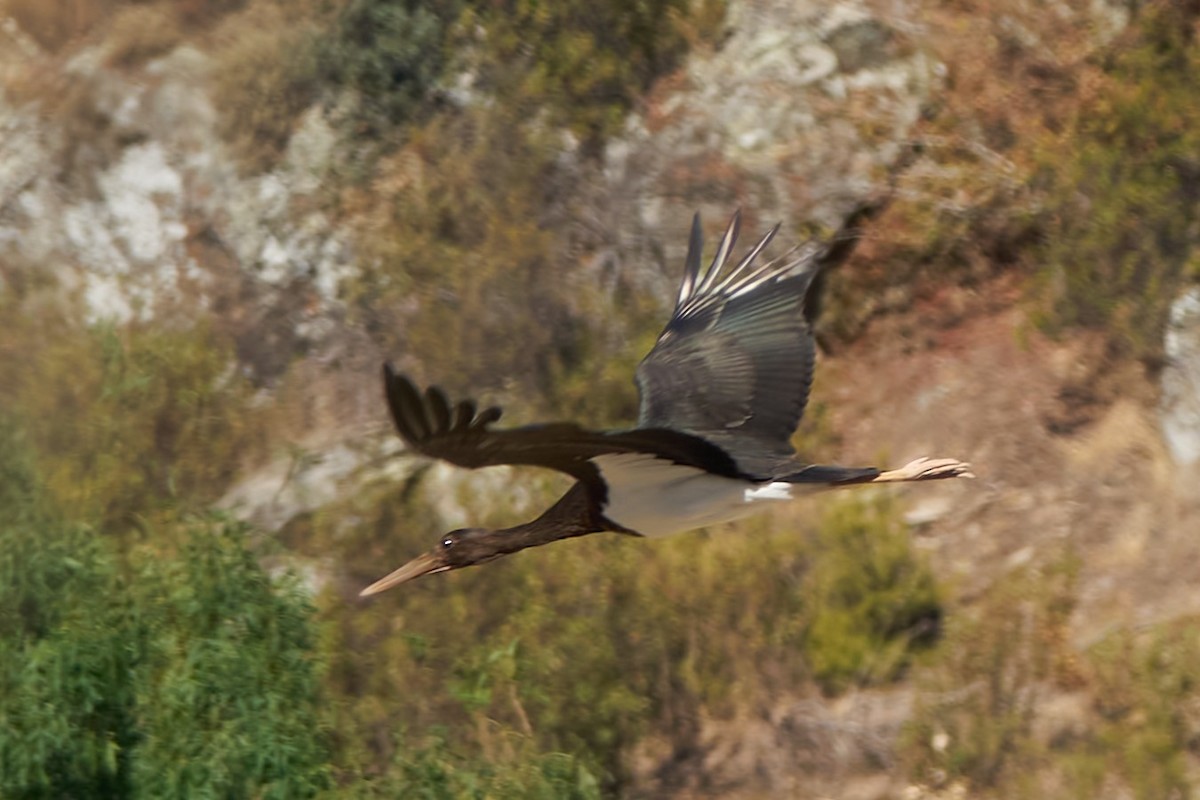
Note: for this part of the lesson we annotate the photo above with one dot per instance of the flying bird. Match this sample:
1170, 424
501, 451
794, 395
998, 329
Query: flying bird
722, 392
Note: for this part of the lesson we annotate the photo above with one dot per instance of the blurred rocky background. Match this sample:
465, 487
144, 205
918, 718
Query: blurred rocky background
217, 217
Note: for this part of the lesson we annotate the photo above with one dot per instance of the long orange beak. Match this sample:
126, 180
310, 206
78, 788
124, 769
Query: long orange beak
424, 564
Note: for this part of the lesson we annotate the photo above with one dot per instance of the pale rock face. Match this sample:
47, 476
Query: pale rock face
307, 480
764, 123
1180, 410
129, 242
117, 224
796, 116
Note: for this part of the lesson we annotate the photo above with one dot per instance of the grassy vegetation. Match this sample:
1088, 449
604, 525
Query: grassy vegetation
1146, 687
1124, 205
586, 648
132, 30
871, 602
55, 23
981, 694
436, 771
985, 719
1072, 163
265, 76
141, 32
127, 425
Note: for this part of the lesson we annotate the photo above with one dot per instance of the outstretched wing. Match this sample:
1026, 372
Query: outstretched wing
735, 362
460, 434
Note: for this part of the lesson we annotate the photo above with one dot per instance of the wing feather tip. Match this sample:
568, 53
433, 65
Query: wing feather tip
438, 406
406, 405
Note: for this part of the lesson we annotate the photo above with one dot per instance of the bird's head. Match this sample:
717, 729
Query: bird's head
454, 550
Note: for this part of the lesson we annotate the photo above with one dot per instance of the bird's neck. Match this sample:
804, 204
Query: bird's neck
571, 516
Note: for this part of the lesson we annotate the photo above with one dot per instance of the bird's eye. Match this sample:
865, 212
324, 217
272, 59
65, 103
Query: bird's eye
448, 542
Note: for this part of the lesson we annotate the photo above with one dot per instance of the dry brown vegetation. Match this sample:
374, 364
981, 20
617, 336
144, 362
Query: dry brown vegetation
55, 23
141, 32
265, 76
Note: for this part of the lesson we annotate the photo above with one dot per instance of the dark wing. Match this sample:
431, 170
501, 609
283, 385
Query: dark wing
735, 362
430, 424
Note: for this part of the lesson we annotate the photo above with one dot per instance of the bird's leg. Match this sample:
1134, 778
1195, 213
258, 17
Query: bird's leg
926, 469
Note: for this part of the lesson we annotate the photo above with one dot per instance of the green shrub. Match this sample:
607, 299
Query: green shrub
227, 700
1125, 201
184, 673
871, 601
390, 54
66, 691
585, 63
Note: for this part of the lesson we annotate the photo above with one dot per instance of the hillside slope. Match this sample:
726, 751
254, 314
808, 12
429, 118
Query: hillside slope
215, 223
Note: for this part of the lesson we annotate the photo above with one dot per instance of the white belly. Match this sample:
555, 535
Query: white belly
656, 497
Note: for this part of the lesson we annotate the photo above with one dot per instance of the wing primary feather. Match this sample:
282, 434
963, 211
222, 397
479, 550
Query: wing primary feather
776, 269
438, 406
691, 267
487, 416
727, 242
735, 274
464, 412
391, 390
408, 409
741, 280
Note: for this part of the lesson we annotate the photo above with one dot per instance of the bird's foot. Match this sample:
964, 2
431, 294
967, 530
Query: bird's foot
927, 469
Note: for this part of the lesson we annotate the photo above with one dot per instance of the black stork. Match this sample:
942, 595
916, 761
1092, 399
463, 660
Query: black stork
722, 392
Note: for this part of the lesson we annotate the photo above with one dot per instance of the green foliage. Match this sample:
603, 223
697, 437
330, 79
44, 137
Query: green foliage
66, 694
583, 62
390, 53
227, 702
1125, 199
170, 674
871, 601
